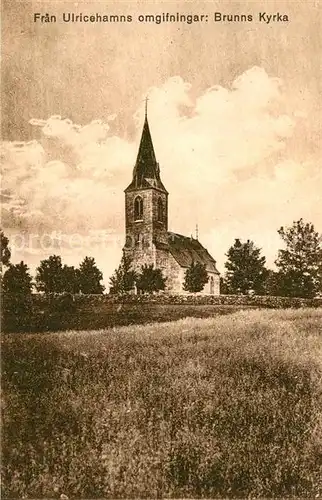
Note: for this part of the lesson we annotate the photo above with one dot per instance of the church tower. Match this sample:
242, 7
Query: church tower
146, 205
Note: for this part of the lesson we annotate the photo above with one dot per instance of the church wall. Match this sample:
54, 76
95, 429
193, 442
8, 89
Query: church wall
141, 256
208, 289
160, 228
149, 228
175, 275
170, 269
135, 229
139, 234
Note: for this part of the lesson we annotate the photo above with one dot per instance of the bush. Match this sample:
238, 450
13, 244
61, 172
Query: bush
150, 280
196, 277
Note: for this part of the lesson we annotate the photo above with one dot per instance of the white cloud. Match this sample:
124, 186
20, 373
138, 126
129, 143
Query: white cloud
223, 158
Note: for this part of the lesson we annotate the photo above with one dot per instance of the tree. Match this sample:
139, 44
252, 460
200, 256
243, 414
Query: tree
223, 286
245, 268
196, 277
49, 275
17, 279
299, 265
70, 279
5, 250
270, 285
17, 299
319, 278
123, 279
90, 277
150, 279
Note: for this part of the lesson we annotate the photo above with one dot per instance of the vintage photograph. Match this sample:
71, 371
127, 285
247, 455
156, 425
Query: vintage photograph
161, 249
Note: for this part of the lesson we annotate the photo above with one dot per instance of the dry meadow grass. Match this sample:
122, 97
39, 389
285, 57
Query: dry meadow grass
220, 407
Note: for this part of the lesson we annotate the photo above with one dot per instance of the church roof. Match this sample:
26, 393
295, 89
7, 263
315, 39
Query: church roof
146, 172
185, 250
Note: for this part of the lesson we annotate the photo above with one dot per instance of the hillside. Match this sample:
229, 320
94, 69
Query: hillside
218, 407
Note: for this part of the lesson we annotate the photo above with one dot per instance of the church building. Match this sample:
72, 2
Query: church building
148, 240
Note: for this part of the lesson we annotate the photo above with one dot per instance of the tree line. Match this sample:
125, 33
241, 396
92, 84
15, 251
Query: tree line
298, 271
298, 265
51, 275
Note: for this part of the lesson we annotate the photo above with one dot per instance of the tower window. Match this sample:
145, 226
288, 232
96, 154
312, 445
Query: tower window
138, 208
160, 210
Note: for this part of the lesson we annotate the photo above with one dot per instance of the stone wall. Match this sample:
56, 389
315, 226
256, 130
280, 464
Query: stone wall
60, 312
260, 301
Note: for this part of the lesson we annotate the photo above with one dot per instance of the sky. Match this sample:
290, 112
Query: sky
234, 112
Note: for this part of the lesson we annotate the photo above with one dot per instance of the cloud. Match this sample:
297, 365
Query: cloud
64, 181
224, 158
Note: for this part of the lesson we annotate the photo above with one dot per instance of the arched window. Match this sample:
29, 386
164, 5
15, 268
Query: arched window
160, 210
138, 208
212, 285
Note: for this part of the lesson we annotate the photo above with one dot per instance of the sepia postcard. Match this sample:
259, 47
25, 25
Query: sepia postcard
161, 249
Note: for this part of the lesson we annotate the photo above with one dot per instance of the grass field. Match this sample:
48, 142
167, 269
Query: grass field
219, 407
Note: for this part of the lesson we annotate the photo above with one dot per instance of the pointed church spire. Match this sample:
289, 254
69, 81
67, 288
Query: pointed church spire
146, 172
146, 163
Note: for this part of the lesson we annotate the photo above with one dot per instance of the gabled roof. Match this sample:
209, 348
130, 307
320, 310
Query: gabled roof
185, 250
146, 172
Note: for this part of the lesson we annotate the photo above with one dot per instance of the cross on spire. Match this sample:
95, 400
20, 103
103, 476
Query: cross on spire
146, 107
